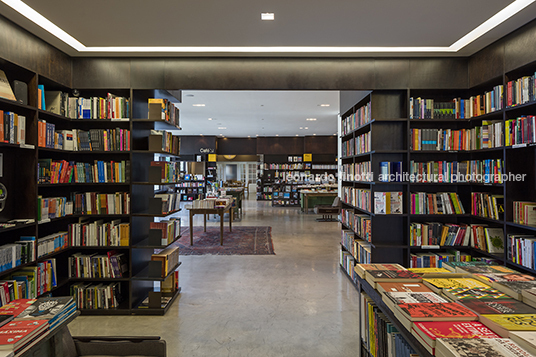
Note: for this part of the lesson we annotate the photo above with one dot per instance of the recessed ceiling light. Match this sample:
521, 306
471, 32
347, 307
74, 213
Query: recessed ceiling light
257, 135
335, 134
267, 16
324, 105
297, 135
306, 128
198, 105
222, 128
314, 134
249, 136
301, 127
311, 119
276, 134
209, 118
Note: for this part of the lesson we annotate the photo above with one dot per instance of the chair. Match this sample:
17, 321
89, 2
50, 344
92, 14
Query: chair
104, 346
327, 211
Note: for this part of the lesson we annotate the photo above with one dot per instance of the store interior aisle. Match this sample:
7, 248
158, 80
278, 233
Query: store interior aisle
295, 303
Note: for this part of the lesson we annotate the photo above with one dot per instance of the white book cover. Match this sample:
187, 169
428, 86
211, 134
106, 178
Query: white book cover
379, 202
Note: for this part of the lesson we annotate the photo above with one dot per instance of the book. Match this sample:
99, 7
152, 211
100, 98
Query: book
503, 324
360, 269
436, 273
395, 298
447, 283
16, 307
402, 287
498, 306
486, 269
428, 332
491, 278
529, 296
16, 334
479, 347
395, 276
453, 266
494, 240
525, 339
5, 88
47, 308
474, 293
449, 311
514, 288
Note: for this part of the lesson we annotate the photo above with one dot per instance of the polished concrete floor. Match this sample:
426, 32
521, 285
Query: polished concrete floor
295, 303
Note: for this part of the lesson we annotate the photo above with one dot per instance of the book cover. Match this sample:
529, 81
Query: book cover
16, 333
526, 339
487, 269
16, 307
402, 287
392, 274
501, 306
417, 297
494, 239
442, 311
514, 288
481, 347
46, 308
499, 278
475, 293
514, 322
428, 270
450, 283
453, 329
5, 88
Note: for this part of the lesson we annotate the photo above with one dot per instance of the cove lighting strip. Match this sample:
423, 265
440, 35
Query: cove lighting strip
486, 26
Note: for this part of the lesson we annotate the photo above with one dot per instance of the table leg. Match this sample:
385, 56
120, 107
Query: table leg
231, 217
204, 222
306, 206
191, 228
221, 226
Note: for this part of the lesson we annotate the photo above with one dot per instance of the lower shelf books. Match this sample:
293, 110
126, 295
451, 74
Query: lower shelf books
16, 334
164, 301
17, 253
364, 252
170, 229
82, 172
437, 259
169, 258
524, 213
97, 296
52, 243
98, 233
170, 202
111, 265
388, 203
347, 263
487, 205
35, 280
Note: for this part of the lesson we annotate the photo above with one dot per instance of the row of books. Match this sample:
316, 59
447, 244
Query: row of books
82, 203
97, 296
358, 145
109, 265
52, 243
321, 167
474, 171
15, 254
164, 141
436, 259
390, 171
481, 237
12, 128
170, 228
487, 205
388, 203
521, 249
82, 172
81, 140
364, 252
521, 90
379, 336
169, 259
458, 108
191, 184
435, 203
357, 197
346, 261
358, 171
99, 233
169, 112
170, 201
524, 212
170, 170
520, 131
111, 107
285, 202
347, 241
489, 135
465, 305
33, 281
362, 116
361, 224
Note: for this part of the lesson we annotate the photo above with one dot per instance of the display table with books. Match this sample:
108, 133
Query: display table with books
36, 327
463, 309
314, 197
208, 206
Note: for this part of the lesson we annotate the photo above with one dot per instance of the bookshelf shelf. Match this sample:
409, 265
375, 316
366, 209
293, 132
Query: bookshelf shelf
519, 266
16, 227
520, 106
387, 245
154, 152
83, 184
49, 115
163, 122
522, 226
144, 274
488, 219
98, 247
144, 244
155, 183
74, 279
12, 105
156, 215
162, 311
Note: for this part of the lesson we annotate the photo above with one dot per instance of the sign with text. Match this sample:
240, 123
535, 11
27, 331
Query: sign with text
307, 157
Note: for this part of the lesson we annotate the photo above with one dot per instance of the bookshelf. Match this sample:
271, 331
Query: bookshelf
505, 145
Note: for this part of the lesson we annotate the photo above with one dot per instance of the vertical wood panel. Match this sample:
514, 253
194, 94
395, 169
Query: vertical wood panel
486, 64
101, 73
438, 73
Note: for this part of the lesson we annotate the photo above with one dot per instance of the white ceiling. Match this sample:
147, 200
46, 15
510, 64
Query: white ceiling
297, 22
266, 113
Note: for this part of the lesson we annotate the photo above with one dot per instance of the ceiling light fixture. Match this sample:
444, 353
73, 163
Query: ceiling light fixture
497, 19
209, 118
314, 134
297, 135
222, 128
198, 105
306, 128
267, 16
324, 105
301, 127
276, 134
311, 119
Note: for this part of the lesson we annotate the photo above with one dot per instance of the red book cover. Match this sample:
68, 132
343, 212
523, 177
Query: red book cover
15, 307
453, 329
15, 332
436, 310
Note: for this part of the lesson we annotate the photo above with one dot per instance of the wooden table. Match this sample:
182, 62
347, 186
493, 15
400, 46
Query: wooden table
207, 211
306, 194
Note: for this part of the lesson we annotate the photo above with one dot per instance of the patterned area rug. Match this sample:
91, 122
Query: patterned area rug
243, 240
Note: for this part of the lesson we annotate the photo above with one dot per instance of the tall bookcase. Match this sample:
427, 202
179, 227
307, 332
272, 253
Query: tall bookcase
391, 129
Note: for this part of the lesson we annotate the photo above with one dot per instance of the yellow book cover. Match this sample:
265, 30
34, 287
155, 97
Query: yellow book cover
443, 283
521, 322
